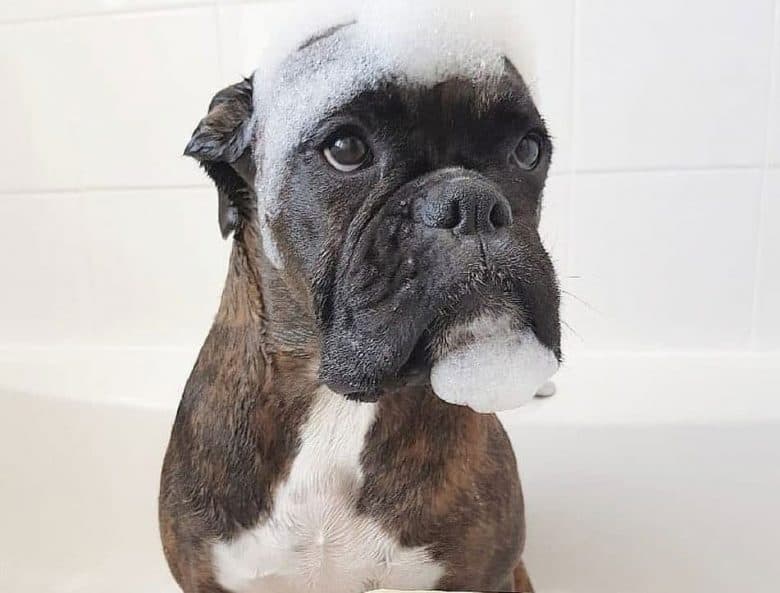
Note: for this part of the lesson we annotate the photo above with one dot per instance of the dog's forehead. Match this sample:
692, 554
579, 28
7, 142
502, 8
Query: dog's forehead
327, 72
333, 68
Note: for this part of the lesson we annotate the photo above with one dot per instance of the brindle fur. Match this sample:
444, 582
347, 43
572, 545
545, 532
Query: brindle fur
454, 488
435, 474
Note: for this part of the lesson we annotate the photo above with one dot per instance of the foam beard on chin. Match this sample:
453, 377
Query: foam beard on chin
494, 373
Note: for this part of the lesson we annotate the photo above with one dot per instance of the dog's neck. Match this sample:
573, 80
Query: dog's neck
264, 333
256, 299
242, 304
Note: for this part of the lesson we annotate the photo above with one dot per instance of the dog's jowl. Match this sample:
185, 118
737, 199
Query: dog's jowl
384, 214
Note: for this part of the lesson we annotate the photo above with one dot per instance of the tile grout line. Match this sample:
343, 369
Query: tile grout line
670, 169
774, 59
100, 189
571, 173
161, 7
121, 12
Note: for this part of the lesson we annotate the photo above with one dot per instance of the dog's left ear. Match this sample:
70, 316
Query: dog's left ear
222, 143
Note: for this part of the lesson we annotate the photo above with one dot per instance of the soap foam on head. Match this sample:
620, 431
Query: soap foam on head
429, 39
496, 370
419, 42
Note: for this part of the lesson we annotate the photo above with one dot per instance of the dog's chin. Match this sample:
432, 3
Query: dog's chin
487, 364
488, 344
415, 373
499, 369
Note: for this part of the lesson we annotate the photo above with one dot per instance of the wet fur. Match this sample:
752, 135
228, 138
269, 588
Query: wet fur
434, 474
455, 488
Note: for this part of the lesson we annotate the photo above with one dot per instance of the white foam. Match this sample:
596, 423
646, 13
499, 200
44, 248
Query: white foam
421, 42
497, 370
270, 247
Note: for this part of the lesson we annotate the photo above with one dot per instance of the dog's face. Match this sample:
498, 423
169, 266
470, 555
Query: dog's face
403, 215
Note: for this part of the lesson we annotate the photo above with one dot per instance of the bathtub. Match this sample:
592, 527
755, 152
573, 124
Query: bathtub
643, 474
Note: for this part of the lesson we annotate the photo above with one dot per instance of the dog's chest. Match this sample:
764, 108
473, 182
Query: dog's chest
314, 540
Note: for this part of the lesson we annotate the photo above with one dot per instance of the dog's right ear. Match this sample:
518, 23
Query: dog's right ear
222, 143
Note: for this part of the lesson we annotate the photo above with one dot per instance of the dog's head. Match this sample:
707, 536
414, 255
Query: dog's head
399, 199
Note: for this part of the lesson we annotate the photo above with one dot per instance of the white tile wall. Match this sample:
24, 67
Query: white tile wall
768, 293
554, 227
662, 260
22, 10
132, 268
108, 236
105, 101
774, 104
158, 262
241, 46
670, 84
45, 297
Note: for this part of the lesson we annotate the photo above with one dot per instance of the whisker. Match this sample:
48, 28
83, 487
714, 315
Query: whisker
572, 330
575, 297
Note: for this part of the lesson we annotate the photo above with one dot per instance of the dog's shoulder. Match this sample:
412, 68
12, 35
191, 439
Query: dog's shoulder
233, 433
232, 440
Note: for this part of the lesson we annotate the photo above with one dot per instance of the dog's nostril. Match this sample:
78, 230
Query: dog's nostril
500, 215
452, 215
442, 214
466, 206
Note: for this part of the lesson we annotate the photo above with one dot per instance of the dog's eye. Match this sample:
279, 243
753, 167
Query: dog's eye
347, 153
528, 152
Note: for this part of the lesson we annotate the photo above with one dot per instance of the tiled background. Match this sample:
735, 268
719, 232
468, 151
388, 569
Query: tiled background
663, 210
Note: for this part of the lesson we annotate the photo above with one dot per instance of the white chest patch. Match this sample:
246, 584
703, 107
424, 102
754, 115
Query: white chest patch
314, 540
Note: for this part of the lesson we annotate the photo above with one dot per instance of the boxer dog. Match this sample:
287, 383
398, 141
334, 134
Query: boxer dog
384, 215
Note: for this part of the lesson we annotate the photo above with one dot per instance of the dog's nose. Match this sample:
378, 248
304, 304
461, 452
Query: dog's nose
466, 206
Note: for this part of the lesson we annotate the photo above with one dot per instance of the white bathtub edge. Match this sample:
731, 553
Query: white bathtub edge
604, 387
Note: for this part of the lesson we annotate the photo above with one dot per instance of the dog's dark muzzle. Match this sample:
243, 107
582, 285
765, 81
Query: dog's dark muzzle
442, 249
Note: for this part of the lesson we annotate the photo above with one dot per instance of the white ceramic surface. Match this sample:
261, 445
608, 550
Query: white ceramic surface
660, 83
643, 474
648, 259
767, 322
105, 101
